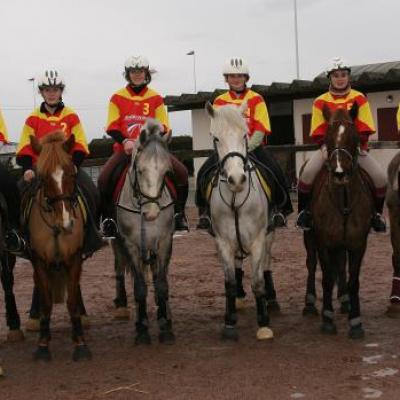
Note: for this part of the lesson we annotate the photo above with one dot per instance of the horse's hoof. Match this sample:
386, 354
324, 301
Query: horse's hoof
142, 338
240, 303
264, 333
393, 311
85, 321
42, 353
81, 352
166, 337
273, 307
121, 313
230, 333
32, 325
1, 372
328, 328
356, 332
310, 309
15, 335
345, 307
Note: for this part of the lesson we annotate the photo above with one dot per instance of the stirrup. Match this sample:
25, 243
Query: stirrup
106, 226
278, 220
378, 223
204, 222
17, 248
301, 222
181, 222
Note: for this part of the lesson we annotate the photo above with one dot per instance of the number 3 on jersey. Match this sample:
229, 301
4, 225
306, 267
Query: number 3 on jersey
146, 108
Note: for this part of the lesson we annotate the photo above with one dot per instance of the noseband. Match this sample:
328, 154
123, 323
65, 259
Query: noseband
231, 154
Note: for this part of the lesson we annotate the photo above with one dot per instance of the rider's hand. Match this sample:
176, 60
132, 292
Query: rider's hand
128, 146
324, 152
29, 174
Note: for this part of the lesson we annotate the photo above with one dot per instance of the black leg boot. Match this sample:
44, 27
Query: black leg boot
304, 219
181, 223
378, 222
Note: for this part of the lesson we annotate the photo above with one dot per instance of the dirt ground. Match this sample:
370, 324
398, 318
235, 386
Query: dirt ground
299, 363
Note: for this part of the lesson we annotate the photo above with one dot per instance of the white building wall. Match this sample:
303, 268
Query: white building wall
201, 135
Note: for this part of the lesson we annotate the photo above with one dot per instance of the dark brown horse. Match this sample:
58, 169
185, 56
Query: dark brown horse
341, 207
56, 231
393, 203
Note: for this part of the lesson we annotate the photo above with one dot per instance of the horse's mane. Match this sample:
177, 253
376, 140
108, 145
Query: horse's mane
232, 116
53, 154
154, 147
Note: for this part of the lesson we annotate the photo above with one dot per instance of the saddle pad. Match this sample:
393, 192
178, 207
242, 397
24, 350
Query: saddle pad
263, 182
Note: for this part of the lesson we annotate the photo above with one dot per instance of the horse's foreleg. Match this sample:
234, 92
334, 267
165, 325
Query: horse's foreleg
120, 301
311, 262
342, 293
42, 282
328, 282
394, 308
7, 281
258, 260
270, 292
160, 279
140, 294
226, 252
355, 258
74, 304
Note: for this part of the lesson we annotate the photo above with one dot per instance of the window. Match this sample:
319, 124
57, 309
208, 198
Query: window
387, 124
306, 122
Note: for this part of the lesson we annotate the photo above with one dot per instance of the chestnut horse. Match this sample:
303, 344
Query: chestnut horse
56, 235
341, 207
393, 203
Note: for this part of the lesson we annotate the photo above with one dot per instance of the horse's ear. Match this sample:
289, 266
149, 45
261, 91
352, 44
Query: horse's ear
35, 144
69, 144
243, 108
167, 137
327, 113
354, 111
210, 109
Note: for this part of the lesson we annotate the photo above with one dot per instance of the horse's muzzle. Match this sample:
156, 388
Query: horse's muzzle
236, 183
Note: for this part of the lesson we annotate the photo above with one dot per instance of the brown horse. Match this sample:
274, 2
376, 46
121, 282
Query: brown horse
393, 203
341, 207
56, 230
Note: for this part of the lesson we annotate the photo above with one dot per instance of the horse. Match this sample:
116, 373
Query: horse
145, 219
341, 207
393, 204
56, 237
239, 214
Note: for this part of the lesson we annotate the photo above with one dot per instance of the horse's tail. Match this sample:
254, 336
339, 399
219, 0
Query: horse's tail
58, 281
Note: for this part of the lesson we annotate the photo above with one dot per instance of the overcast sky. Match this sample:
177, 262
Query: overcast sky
88, 41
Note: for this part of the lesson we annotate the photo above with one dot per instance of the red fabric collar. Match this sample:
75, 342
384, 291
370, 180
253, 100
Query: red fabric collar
140, 94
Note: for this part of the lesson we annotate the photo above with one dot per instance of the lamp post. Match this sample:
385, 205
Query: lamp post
193, 53
296, 38
33, 91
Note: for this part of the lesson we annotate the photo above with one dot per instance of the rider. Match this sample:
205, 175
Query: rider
9, 189
341, 95
127, 112
53, 115
236, 74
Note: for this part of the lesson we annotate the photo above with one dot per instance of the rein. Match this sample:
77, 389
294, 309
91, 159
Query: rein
232, 204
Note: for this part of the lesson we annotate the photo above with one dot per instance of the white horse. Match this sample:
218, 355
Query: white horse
145, 218
239, 214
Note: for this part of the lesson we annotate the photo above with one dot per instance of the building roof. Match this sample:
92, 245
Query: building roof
367, 78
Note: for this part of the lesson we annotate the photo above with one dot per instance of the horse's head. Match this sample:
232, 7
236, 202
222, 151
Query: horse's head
151, 164
57, 176
342, 141
229, 131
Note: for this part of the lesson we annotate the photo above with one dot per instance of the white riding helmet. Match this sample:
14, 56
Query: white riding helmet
337, 64
51, 77
235, 65
136, 62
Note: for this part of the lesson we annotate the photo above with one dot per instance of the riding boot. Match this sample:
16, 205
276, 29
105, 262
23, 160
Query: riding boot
108, 226
14, 241
304, 219
378, 222
277, 219
181, 223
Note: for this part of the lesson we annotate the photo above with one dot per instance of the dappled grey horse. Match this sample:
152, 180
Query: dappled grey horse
145, 218
239, 214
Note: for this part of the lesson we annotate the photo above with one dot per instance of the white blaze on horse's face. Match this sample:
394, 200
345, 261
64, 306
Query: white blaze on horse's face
339, 137
58, 177
229, 128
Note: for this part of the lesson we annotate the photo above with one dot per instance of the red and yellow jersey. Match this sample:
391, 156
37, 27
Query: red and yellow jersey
40, 123
398, 118
257, 113
128, 111
3, 130
364, 122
